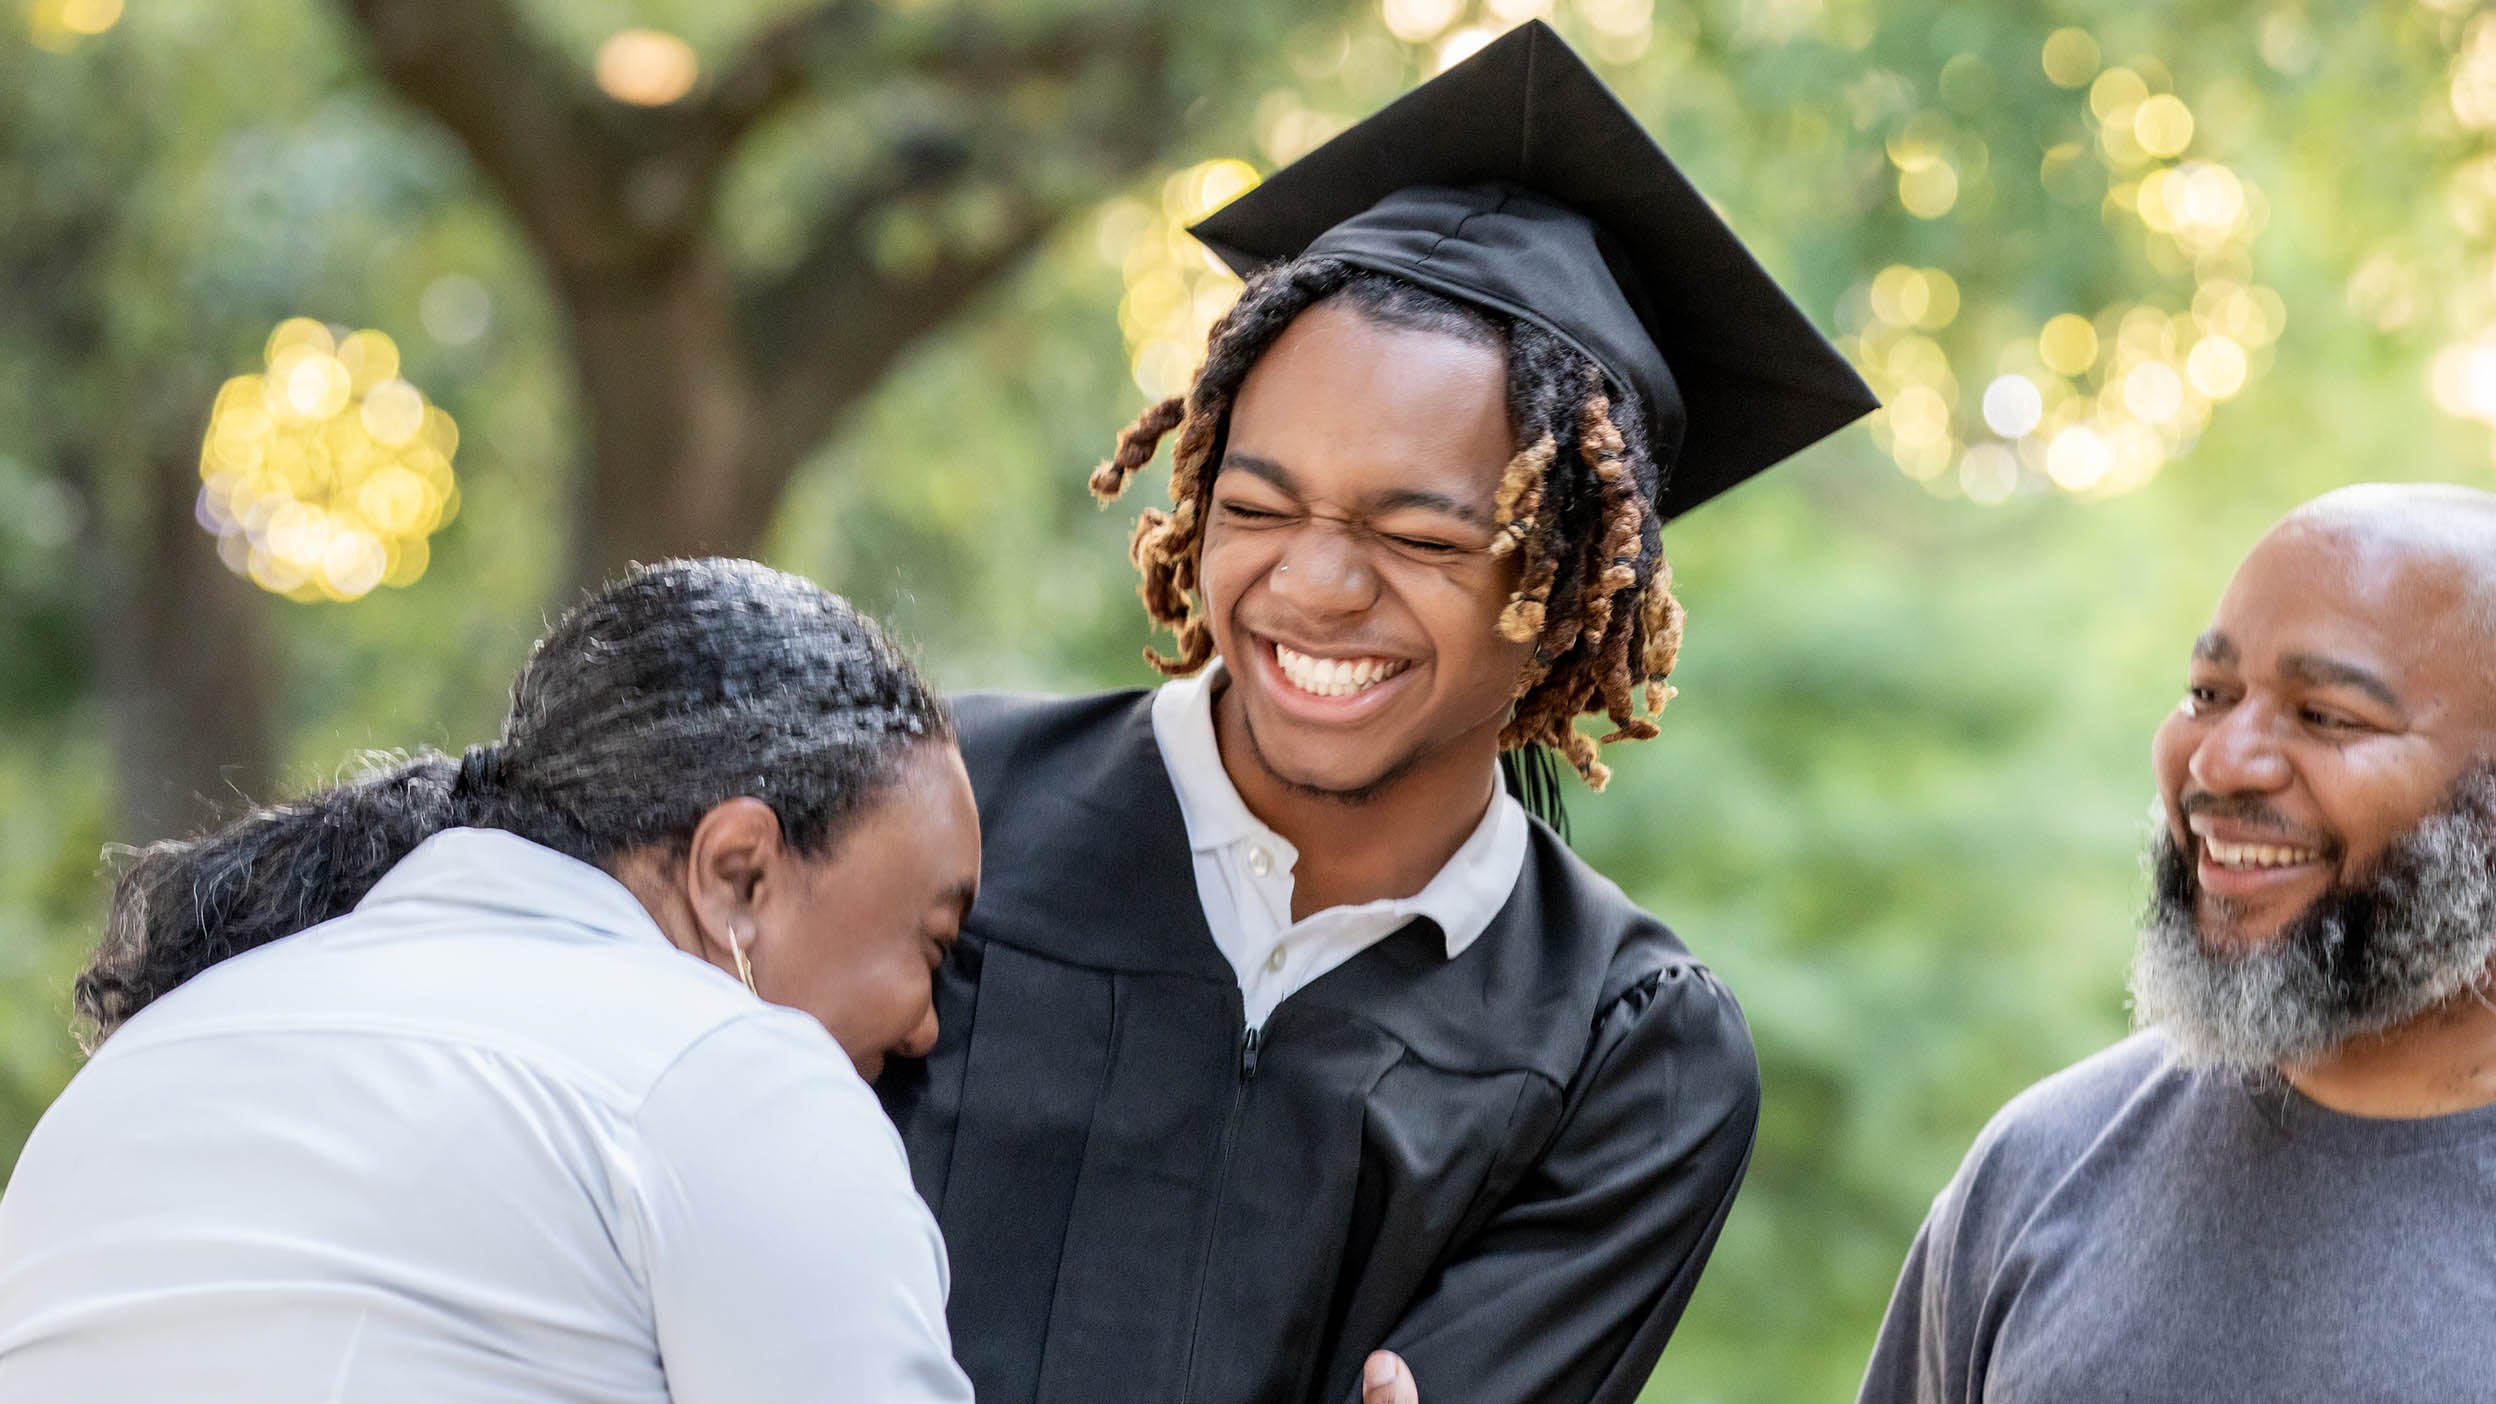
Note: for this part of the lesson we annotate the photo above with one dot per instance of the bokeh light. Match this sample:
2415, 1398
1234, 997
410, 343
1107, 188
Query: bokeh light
2217, 366
1915, 297
1175, 289
1462, 45
2013, 406
2070, 58
646, 67
1419, 21
2068, 344
2094, 402
2163, 125
2473, 92
2078, 458
325, 476
58, 25
1929, 192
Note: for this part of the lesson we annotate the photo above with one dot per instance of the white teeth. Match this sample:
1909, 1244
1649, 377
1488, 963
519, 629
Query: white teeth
1334, 677
2257, 855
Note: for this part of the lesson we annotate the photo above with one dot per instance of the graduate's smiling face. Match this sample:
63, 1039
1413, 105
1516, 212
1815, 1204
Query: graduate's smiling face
2339, 693
1346, 566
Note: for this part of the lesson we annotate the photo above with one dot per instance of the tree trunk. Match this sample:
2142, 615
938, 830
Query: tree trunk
185, 659
671, 412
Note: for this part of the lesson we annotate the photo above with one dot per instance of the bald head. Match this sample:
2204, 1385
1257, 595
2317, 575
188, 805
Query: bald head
2442, 534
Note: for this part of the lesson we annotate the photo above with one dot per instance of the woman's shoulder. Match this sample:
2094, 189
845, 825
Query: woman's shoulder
605, 1014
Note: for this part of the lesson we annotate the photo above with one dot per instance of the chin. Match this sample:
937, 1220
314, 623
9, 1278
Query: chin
1332, 768
2226, 931
1340, 784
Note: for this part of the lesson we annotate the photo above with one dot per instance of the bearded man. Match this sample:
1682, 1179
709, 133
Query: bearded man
2280, 1188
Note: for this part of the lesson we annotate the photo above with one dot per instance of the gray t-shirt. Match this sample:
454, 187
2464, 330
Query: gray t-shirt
2129, 1230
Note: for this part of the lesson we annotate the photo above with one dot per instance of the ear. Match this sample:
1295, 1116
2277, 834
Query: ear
734, 856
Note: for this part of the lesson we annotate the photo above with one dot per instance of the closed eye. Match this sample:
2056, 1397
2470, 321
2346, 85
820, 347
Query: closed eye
1241, 512
2200, 699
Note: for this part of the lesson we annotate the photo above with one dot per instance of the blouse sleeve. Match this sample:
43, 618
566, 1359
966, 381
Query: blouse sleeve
1571, 1289
788, 1256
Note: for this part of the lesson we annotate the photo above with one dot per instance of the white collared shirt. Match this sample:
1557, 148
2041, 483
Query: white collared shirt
487, 1138
1244, 868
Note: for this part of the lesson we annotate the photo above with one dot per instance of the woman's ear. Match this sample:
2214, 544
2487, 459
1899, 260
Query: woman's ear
733, 857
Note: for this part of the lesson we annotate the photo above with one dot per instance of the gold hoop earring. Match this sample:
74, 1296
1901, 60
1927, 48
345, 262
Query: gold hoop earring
745, 967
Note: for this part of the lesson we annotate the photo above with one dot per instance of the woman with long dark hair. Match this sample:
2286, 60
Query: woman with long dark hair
408, 1090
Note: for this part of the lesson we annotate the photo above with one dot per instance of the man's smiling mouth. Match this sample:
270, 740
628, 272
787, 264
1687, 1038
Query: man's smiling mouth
2257, 855
1334, 677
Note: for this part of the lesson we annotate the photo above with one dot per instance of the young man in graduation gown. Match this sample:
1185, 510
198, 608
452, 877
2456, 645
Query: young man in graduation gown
1281, 1032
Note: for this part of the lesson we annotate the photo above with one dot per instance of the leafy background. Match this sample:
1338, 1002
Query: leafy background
1899, 800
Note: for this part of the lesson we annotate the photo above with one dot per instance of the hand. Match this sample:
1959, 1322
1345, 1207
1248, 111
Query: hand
1386, 1379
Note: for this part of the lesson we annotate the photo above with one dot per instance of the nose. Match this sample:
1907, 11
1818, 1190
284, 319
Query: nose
1324, 570
2240, 754
921, 1040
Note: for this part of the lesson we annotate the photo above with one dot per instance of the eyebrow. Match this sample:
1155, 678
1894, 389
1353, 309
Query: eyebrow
2215, 647
1264, 468
2315, 670
1395, 500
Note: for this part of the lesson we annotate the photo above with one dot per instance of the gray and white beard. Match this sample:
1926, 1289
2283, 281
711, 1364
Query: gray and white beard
2416, 931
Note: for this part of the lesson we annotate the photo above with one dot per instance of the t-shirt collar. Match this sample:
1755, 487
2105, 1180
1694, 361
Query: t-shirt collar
1462, 898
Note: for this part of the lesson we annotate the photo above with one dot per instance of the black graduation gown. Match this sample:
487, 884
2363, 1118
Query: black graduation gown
1509, 1166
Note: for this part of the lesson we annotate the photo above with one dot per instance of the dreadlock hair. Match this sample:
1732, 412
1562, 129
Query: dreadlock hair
673, 690
1594, 592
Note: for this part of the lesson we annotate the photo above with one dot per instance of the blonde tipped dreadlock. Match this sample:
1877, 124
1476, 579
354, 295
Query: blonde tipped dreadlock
1593, 591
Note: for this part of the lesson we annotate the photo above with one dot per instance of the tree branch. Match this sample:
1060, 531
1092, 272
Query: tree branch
843, 45
822, 335
524, 115
778, 66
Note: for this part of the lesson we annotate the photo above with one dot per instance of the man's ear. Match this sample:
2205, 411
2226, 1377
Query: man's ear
733, 855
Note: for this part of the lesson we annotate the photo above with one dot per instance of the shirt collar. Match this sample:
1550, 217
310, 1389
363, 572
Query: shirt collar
1462, 898
1183, 725
495, 870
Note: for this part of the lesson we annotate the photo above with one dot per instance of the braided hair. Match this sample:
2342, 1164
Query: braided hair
1594, 592
681, 686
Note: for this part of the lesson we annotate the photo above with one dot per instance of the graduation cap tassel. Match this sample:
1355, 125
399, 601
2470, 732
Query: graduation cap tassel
1532, 774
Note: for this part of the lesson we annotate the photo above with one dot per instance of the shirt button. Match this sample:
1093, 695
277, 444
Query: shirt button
1274, 962
1260, 862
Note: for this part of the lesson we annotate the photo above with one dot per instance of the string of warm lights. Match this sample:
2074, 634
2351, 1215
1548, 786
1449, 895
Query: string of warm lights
2094, 403
1175, 289
2091, 404
324, 476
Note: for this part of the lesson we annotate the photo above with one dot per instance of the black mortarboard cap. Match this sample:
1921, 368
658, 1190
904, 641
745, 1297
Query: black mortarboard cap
1516, 181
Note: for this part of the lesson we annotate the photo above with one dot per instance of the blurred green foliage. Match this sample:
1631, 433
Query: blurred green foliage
1899, 799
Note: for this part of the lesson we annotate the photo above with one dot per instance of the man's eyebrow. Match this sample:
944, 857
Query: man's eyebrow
2214, 647
2315, 670
1263, 469
1406, 499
